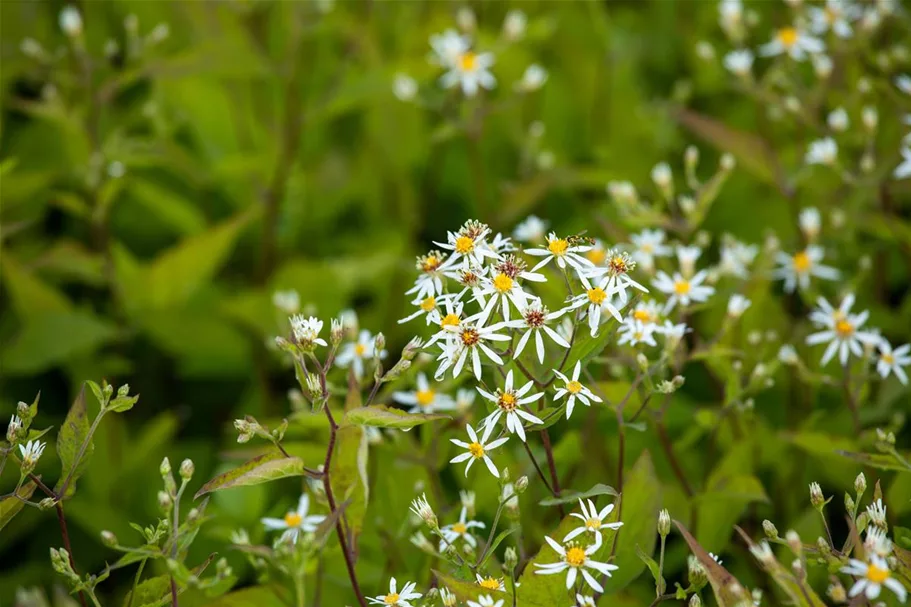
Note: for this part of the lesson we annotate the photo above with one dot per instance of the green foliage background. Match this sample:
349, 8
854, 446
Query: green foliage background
263, 149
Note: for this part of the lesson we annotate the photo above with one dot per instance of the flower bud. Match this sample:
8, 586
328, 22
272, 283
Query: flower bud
860, 484
664, 523
816, 497
510, 560
696, 572
521, 485
695, 601
421, 507
108, 539
727, 162
379, 344
794, 542
123, 390
664, 179
870, 118
770, 530
836, 592
448, 598
164, 502
46, 504
642, 361
514, 25
71, 21
850, 506
186, 469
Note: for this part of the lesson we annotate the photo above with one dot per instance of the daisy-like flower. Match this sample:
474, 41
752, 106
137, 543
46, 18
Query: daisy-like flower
426, 307
584, 601
564, 252
465, 398
468, 342
647, 312
810, 223
795, 43
575, 560
736, 258
634, 332
531, 229
15, 423
596, 297
877, 542
737, 305
534, 318
873, 574
504, 287
903, 171
305, 331
288, 301
575, 390
822, 151
509, 402
687, 256
739, 62
841, 330
877, 513
682, 290
448, 47
490, 582
471, 71
395, 597
477, 449
486, 601
447, 319
430, 282
892, 361
422, 509
592, 521
425, 399
617, 268
354, 354
468, 245
460, 530
796, 270
31, 453
836, 16
649, 244
500, 244
295, 521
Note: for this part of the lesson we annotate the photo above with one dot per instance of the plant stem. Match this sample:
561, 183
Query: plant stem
555, 481
669, 452
136, 579
538, 468
493, 529
61, 519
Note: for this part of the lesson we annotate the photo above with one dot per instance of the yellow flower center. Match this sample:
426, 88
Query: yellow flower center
574, 387
507, 401
450, 320
887, 358
476, 450
490, 583
647, 247
597, 295
593, 523
460, 528
575, 556
557, 246
293, 519
788, 36
618, 265
468, 61
431, 263
425, 397
802, 262
391, 599
596, 256
429, 304
877, 575
844, 328
502, 283
682, 287
832, 14
464, 244
470, 337
359, 349
642, 315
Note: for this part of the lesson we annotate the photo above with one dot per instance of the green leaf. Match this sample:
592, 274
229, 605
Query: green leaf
123, 403
568, 496
882, 461
149, 593
381, 416
653, 567
263, 469
800, 592
728, 591
256, 596
496, 542
73, 433
52, 339
10, 506
348, 474
31, 297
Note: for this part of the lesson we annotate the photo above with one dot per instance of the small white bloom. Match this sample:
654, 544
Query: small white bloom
592, 521
584, 601
873, 575
841, 330
788, 355
810, 222
422, 509
429, 282
306, 330
739, 62
877, 542
903, 82
468, 342
682, 290
31, 453
448, 47
295, 521
425, 399
15, 424
663, 177
533, 322
877, 513
737, 305
404, 87
892, 361
730, 17
903, 171
510, 402
287, 301
822, 65
477, 449
574, 560
623, 192
71, 21
534, 78
635, 332
648, 245
575, 390
838, 120
563, 252
471, 71
797, 270
468, 245
460, 531
794, 42
486, 601
822, 151
596, 297
465, 398
355, 354
687, 256
504, 288
836, 16
532, 229
490, 582
514, 25
397, 598
617, 267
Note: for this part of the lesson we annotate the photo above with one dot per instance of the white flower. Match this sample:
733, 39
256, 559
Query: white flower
485, 601
534, 78
421, 508
682, 290
687, 258
574, 560
617, 267
877, 513
446, 322
623, 192
490, 582
31, 452
514, 25
564, 252
903, 82
466, 343
873, 575
510, 402
822, 65
836, 16
634, 332
575, 390
797, 269
838, 120
534, 317
306, 330
448, 47
809, 221
295, 521
404, 87
592, 521
595, 297
477, 449
788, 355
737, 305
468, 245
532, 229
730, 16
288, 301
396, 598
673, 333
584, 601
649, 244
504, 287
903, 171
460, 530
470, 71
465, 398
429, 282
892, 361
354, 354
794, 42
841, 330
877, 542
739, 62
71, 21
15, 423
425, 399
822, 151
736, 258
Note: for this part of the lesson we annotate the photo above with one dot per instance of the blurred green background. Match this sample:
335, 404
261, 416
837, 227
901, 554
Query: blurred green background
155, 193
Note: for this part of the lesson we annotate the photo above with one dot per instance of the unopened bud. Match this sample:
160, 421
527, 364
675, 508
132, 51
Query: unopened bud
521, 485
379, 344
727, 162
71, 21
695, 601
642, 361
164, 502
770, 530
510, 560
123, 390
691, 157
411, 349
823, 545
186, 469
337, 332
193, 514
664, 523
816, 497
850, 505
870, 118
794, 542
860, 484
664, 179
165, 469
108, 539
836, 592
46, 504
696, 572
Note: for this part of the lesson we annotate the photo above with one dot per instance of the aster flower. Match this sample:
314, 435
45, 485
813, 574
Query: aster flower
429, 283
634, 332
683, 290
468, 342
892, 361
509, 402
739, 62
822, 151
460, 531
596, 297
810, 222
504, 287
617, 267
531, 229
736, 257
305, 331
796, 270
448, 47
575, 390
737, 305
471, 71
836, 16
425, 399
490, 582
575, 560
564, 252
477, 449
793, 42
425, 307
873, 574
397, 598
841, 329
354, 354
31, 453
295, 521
468, 245
447, 319
592, 521
486, 601
877, 513
534, 318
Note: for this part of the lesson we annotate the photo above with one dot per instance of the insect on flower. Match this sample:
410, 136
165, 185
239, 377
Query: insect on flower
564, 252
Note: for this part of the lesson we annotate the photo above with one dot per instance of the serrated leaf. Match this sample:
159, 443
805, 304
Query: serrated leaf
568, 496
882, 461
11, 506
263, 469
380, 416
70, 438
724, 584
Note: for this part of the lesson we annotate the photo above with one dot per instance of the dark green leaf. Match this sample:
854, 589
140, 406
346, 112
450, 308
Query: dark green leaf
11, 506
380, 416
73, 434
569, 496
263, 469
